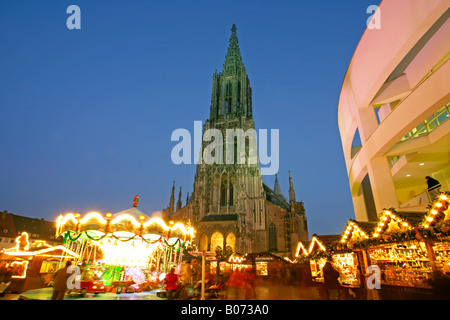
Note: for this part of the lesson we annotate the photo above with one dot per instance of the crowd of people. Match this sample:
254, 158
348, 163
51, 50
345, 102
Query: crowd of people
244, 284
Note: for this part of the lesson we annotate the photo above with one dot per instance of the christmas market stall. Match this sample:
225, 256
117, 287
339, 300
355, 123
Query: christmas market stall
402, 256
396, 248
263, 263
230, 263
32, 265
347, 258
436, 231
128, 250
344, 259
317, 253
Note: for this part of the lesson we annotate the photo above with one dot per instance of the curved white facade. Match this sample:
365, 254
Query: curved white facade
396, 95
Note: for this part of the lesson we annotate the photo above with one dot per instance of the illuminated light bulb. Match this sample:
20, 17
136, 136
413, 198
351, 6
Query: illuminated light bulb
439, 204
430, 219
388, 212
345, 237
342, 240
375, 234
384, 218
108, 214
378, 229
434, 212
381, 223
443, 197
405, 224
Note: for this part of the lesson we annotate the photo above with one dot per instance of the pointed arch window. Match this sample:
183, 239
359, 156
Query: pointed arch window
231, 241
273, 237
216, 241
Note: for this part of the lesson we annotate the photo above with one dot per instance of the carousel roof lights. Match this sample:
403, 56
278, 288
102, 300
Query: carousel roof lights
120, 218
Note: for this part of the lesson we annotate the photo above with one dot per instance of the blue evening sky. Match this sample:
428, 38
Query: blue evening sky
86, 115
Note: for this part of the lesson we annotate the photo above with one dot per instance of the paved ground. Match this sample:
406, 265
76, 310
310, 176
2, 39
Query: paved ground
263, 292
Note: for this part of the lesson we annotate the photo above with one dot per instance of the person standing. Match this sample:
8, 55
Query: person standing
60, 282
171, 281
433, 186
331, 276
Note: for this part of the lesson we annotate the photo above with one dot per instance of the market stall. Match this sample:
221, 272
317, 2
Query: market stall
233, 262
349, 260
399, 253
436, 232
124, 247
32, 264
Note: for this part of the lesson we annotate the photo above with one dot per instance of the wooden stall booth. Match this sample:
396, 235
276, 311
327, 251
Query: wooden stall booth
33, 264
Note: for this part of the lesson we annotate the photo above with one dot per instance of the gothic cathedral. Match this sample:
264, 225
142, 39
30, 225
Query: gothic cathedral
230, 206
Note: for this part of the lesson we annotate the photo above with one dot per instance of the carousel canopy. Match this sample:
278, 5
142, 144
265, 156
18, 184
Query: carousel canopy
125, 223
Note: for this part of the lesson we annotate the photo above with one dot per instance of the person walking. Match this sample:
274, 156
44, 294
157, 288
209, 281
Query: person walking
60, 282
331, 276
171, 281
433, 186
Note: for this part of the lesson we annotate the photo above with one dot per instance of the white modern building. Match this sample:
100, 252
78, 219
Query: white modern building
394, 106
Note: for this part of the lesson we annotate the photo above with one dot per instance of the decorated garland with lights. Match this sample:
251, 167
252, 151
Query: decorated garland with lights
435, 227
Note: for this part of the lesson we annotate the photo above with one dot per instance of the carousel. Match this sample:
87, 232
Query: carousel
124, 249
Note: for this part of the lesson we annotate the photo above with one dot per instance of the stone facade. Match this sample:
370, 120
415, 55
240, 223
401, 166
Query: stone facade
230, 206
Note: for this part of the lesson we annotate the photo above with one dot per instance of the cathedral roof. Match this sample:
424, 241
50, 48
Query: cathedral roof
220, 217
274, 198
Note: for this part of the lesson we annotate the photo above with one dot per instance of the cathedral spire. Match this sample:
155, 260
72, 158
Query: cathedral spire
276, 188
179, 201
233, 60
172, 199
231, 91
291, 189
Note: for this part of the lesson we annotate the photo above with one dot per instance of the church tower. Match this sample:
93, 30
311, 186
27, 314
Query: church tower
230, 206
230, 194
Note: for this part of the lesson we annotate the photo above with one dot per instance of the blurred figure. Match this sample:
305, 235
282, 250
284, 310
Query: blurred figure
235, 285
331, 276
171, 281
185, 272
60, 282
249, 283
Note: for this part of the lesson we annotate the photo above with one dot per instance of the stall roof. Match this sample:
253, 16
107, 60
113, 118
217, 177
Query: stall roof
392, 221
439, 210
24, 248
318, 242
357, 230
